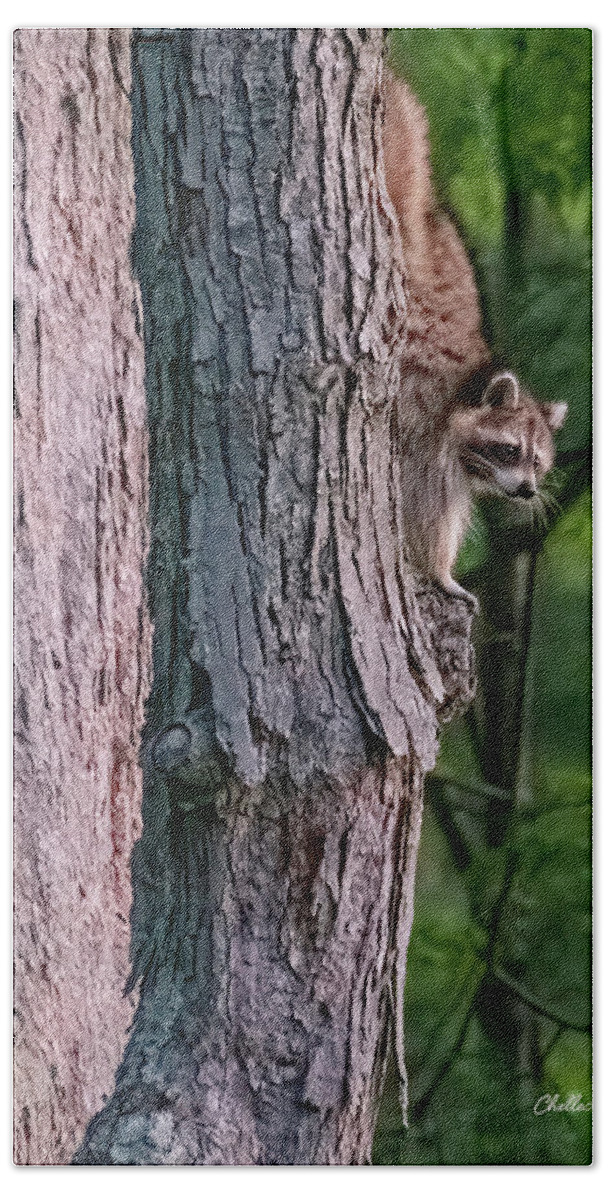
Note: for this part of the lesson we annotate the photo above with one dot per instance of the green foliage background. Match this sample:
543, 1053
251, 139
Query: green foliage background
498, 990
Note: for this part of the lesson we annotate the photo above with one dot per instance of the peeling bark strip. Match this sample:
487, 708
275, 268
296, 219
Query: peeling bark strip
81, 644
291, 644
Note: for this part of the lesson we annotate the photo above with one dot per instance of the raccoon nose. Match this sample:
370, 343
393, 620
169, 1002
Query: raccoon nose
525, 490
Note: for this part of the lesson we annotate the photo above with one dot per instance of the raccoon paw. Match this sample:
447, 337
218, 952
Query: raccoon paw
455, 591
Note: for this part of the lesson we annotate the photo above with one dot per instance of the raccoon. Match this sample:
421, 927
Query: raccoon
465, 426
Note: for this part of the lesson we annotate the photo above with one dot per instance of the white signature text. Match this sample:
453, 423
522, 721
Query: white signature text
573, 1104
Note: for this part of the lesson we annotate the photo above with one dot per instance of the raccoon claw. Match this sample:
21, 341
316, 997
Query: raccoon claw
455, 591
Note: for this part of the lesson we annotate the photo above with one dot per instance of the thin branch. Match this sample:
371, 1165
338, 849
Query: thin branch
422, 1104
536, 1006
485, 791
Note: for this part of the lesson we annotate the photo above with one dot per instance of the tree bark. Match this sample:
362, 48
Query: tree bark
300, 670
81, 631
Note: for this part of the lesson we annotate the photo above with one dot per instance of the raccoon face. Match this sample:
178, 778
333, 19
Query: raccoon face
506, 440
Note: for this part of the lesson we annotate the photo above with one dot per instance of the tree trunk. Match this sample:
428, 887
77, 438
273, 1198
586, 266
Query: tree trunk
300, 671
81, 633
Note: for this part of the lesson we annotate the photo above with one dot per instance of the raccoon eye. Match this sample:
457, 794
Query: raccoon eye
504, 453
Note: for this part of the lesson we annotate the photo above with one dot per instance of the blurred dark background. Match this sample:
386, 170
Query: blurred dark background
498, 988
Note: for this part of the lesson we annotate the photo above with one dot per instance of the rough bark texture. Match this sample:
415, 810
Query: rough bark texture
300, 671
81, 640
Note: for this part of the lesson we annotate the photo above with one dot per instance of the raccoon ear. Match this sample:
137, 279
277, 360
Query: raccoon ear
502, 391
554, 414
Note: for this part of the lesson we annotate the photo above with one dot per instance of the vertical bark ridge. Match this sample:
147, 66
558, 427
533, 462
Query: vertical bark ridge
81, 633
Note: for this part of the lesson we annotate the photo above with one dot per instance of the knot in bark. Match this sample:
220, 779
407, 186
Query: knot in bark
192, 761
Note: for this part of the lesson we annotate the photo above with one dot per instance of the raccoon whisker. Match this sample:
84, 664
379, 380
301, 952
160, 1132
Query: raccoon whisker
553, 509
537, 513
542, 520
